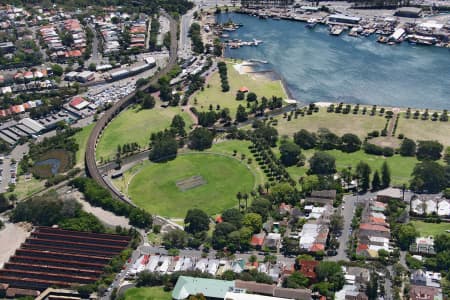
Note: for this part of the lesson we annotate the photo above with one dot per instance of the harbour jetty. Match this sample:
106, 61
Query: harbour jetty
389, 29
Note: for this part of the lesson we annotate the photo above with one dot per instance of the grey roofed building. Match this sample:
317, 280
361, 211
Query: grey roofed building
210, 288
32, 124
322, 197
389, 193
409, 12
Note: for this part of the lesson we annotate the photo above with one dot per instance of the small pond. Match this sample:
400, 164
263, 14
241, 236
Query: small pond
53, 162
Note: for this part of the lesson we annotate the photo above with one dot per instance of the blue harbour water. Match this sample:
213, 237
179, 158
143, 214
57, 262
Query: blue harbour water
319, 67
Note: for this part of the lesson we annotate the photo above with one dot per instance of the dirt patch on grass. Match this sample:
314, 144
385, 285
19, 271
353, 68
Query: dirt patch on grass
386, 141
190, 183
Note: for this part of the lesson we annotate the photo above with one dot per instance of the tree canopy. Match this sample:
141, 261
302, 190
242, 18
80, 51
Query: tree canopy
196, 220
289, 153
200, 139
429, 176
429, 150
322, 163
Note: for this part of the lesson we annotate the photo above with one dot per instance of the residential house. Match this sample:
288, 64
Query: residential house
418, 292
308, 269
273, 240
321, 197
423, 245
272, 290
257, 240
388, 194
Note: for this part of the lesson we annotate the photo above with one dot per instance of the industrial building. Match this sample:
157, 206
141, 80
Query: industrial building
409, 12
53, 257
343, 19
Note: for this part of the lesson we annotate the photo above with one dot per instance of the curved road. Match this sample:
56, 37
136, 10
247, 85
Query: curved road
91, 165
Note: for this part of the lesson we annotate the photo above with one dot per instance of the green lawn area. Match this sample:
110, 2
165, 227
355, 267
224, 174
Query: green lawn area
337, 123
213, 94
401, 167
427, 229
26, 188
81, 137
147, 293
228, 147
424, 130
154, 186
136, 125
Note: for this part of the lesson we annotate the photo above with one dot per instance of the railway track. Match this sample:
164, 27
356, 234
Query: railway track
90, 162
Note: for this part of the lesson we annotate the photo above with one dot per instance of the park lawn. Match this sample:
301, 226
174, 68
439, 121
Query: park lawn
430, 229
24, 188
228, 147
154, 186
214, 96
419, 130
336, 123
135, 125
147, 293
82, 137
401, 167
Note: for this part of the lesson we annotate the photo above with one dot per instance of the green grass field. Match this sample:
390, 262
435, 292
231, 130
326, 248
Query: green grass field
147, 293
154, 186
135, 125
27, 188
213, 95
337, 123
433, 229
425, 130
401, 167
81, 137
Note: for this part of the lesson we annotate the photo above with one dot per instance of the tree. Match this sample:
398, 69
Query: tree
331, 272
336, 222
289, 153
253, 221
197, 221
429, 176
163, 146
350, 143
363, 175
372, 287
57, 70
322, 163
261, 206
407, 234
175, 239
4, 203
140, 218
376, 182
178, 124
296, 281
385, 175
429, 150
92, 67
241, 114
233, 216
148, 102
328, 140
200, 139
220, 235
441, 242
408, 147
305, 139
251, 97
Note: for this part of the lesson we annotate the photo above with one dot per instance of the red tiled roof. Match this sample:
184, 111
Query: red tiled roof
307, 268
257, 240
317, 247
362, 247
367, 226
75, 101
219, 219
